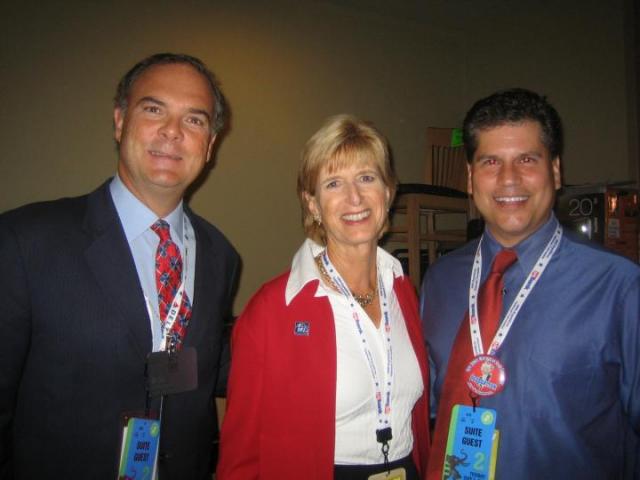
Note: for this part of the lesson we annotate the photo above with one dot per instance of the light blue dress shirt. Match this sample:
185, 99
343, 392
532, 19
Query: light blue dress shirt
136, 219
571, 403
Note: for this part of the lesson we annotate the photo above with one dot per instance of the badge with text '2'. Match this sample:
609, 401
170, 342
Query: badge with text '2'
471, 444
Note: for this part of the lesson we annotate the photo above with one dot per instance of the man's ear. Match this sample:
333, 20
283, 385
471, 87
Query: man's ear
557, 173
210, 148
118, 120
469, 179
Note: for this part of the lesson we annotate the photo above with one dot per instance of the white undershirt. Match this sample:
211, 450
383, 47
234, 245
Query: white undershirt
356, 418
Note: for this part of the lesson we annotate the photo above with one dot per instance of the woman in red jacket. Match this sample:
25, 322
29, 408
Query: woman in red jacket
329, 376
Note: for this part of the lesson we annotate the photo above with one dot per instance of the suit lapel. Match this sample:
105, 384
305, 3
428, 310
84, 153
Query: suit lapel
206, 284
110, 259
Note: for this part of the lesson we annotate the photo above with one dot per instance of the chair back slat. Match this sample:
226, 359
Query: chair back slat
445, 164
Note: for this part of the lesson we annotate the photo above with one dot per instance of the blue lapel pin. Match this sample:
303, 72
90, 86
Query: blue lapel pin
301, 329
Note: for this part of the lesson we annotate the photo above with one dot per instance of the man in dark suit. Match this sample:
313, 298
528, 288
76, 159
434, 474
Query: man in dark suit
79, 301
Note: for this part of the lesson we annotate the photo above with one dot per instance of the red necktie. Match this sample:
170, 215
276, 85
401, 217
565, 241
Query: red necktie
168, 280
454, 389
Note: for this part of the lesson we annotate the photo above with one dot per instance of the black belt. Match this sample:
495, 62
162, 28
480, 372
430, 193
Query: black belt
362, 472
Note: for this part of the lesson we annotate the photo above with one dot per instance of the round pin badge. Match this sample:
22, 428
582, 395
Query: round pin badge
485, 375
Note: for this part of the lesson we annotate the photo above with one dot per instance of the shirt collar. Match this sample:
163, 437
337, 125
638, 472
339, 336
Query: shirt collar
528, 250
304, 270
136, 217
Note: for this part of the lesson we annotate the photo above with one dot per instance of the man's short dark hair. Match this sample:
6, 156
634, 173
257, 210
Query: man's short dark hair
511, 107
124, 86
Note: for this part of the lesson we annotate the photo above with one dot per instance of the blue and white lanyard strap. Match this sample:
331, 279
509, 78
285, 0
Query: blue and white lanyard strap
526, 288
178, 298
382, 387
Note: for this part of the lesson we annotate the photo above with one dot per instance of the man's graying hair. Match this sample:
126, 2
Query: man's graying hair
125, 84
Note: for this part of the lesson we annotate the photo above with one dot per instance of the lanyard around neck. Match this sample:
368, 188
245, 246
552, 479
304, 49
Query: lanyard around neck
527, 286
382, 388
176, 303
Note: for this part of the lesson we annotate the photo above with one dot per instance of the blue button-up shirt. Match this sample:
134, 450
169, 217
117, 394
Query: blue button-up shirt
571, 403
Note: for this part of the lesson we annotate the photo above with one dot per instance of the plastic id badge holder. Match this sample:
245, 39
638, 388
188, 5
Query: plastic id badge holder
472, 444
138, 456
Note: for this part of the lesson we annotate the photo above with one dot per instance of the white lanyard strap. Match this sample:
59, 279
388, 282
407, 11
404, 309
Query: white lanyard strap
172, 314
530, 282
382, 388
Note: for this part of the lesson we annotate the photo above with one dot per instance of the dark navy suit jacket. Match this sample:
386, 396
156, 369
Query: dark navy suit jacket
74, 336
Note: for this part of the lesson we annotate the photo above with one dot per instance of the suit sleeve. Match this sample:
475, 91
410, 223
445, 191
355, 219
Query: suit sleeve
15, 331
225, 352
240, 437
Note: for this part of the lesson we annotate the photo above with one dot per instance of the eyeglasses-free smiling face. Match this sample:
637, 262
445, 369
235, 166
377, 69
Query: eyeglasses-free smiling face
165, 133
352, 203
513, 180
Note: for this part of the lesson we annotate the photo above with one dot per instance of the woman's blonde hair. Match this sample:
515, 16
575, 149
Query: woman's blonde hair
343, 140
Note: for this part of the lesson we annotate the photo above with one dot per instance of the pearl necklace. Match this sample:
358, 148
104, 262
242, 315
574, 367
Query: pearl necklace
364, 300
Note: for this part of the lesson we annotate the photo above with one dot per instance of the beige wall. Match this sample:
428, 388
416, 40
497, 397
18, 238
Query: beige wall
285, 66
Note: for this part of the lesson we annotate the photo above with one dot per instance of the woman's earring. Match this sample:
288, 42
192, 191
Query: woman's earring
317, 219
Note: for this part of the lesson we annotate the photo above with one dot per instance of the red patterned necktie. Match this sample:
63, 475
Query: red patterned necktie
168, 280
454, 389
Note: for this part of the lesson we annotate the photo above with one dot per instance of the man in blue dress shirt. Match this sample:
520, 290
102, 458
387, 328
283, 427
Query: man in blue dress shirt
570, 407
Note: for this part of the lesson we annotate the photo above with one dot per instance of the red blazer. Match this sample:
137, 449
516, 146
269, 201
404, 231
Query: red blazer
280, 421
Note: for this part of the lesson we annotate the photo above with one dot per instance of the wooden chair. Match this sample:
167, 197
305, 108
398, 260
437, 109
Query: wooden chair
443, 193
